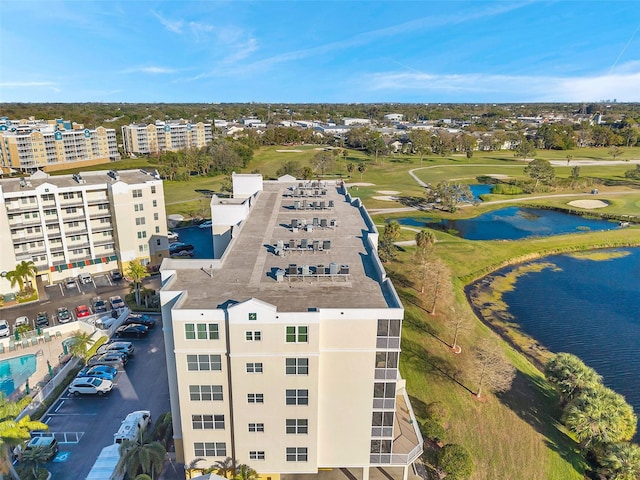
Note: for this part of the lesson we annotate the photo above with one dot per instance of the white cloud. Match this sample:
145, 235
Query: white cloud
26, 84
174, 26
153, 70
465, 87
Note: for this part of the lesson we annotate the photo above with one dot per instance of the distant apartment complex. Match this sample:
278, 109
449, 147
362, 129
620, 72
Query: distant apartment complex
91, 222
30, 145
141, 139
283, 351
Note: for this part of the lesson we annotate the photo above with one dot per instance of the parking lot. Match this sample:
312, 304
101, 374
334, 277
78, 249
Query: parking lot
59, 295
84, 425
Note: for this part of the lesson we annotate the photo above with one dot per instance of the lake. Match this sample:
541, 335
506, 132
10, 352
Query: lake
513, 223
588, 308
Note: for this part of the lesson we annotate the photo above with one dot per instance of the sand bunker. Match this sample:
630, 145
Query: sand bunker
386, 198
589, 204
288, 151
359, 184
388, 192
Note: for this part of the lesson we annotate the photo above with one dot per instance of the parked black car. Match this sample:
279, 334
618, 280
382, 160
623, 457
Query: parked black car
137, 319
98, 305
180, 247
132, 331
116, 276
42, 319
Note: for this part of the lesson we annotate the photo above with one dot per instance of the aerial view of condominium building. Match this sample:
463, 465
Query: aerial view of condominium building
283, 350
82, 223
165, 136
29, 145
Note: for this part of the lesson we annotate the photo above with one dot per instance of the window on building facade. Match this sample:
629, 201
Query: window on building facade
207, 422
204, 362
205, 393
297, 426
157, 229
201, 331
138, 207
387, 360
155, 203
142, 234
155, 216
153, 189
297, 366
297, 334
254, 367
256, 455
297, 454
255, 397
253, 336
140, 221
297, 397
384, 390
256, 427
137, 193
143, 248
210, 449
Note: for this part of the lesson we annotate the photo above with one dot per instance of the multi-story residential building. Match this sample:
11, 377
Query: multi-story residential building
165, 136
283, 351
91, 222
30, 145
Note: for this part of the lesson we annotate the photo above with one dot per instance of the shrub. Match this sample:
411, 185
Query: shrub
506, 189
433, 430
455, 462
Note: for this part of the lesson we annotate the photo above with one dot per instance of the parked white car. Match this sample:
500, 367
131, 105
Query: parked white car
172, 237
24, 320
90, 386
4, 328
116, 302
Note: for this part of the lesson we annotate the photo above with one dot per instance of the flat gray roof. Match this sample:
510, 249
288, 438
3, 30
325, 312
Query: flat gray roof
131, 177
249, 266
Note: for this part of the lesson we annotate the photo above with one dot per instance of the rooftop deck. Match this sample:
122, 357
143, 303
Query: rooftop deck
268, 242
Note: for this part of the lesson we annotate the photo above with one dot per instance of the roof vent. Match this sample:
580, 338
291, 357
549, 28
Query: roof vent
78, 178
113, 174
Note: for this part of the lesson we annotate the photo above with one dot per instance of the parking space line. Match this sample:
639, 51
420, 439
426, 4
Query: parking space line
59, 406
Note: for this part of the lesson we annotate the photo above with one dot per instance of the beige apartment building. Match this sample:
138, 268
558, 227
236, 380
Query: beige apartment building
91, 222
165, 136
283, 350
30, 145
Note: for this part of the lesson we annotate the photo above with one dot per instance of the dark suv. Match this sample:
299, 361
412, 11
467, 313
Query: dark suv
42, 319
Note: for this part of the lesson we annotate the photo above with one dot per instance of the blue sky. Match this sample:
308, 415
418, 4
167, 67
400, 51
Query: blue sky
319, 51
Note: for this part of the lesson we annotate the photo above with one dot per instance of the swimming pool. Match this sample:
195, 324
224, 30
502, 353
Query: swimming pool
15, 371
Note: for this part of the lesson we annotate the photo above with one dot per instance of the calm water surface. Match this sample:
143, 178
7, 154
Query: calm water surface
587, 308
200, 238
514, 223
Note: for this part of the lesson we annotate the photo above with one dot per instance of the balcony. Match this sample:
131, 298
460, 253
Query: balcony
94, 200
386, 373
407, 440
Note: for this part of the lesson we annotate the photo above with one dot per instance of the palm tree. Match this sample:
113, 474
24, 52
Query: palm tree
13, 432
34, 457
225, 468
621, 461
362, 168
142, 455
350, 167
22, 274
136, 272
27, 270
79, 344
193, 467
424, 243
245, 472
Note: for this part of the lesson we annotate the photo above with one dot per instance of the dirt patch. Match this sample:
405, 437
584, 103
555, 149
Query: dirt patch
589, 204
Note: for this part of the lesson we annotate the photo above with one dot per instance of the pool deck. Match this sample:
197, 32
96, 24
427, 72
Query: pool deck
51, 350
